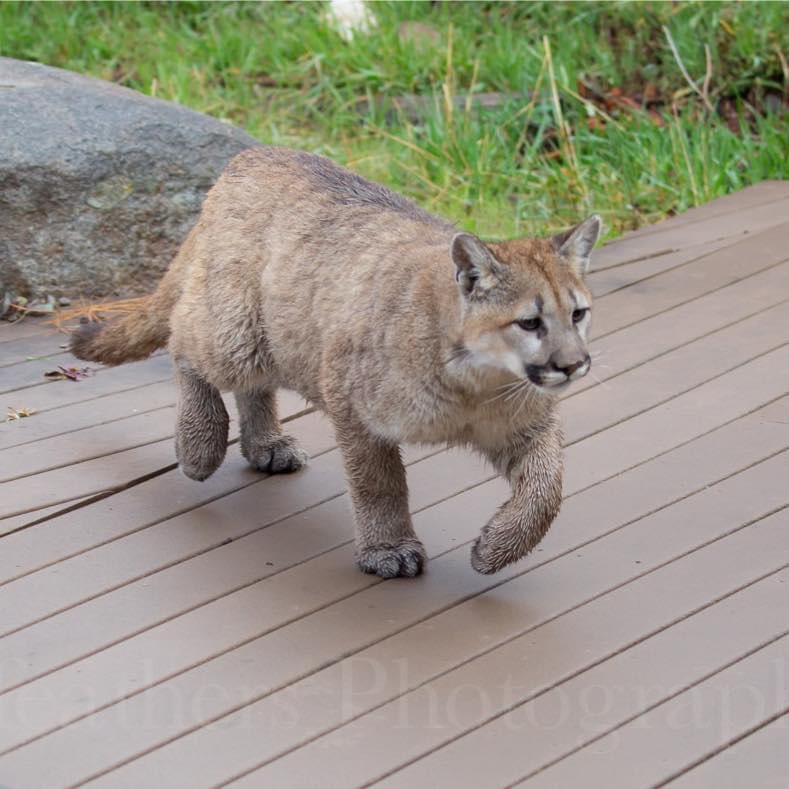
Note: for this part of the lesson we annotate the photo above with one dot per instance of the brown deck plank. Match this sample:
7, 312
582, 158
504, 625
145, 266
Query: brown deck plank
608, 280
238, 731
685, 417
672, 736
759, 759
157, 596
584, 517
20, 351
89, 443
17, 522
735, 224
99, 466
348, 557
677, 286
45, 395
653, 336
676, 372
77, 416
100, 440
86, 575
167, 495
285, 655
156, 500
750, 197
559, 686
28, 327
692, 425
673, 659
21, 376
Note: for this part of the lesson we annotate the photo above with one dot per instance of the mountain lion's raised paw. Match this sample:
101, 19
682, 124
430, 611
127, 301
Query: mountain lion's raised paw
407, 559
281, 456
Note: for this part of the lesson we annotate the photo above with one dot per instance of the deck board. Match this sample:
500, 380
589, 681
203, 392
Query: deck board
757, 195
445, 638
531, 667
650, 338
111, 437
45, 395
173, 634
678, 286
25, 349
585, 517
20, 330
608, 280
759, 758
70, 418
733, 224
288, 653
664, 741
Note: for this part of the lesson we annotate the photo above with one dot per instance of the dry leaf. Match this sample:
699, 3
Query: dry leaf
69, 373
18, 413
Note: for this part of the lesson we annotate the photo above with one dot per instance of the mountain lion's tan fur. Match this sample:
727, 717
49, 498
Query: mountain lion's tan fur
300, 274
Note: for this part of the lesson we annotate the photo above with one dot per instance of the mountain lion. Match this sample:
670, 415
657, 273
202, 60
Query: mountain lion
301, 274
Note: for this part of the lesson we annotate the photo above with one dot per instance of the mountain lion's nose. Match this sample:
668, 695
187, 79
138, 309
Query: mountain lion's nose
571, 368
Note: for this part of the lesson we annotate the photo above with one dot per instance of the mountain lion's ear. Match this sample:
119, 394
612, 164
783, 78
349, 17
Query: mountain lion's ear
477, 269
575, 245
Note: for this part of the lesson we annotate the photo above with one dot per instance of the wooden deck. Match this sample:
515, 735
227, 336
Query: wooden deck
158, 632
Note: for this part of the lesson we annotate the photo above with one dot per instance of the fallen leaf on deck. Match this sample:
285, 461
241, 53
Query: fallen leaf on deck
70, 373
18, 413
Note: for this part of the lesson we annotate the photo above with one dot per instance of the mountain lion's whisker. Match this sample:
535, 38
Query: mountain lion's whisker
508, 390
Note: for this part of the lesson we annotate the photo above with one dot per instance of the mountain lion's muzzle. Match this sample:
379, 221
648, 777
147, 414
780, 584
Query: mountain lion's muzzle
551, 375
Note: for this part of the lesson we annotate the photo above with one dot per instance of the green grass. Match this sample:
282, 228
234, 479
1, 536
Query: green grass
537, 162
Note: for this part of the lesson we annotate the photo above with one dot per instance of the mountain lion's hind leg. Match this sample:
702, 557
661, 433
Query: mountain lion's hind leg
262, 442
201, 424
386, 544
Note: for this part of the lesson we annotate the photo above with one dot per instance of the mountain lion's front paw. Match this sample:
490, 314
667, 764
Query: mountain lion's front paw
407, 559
280, 456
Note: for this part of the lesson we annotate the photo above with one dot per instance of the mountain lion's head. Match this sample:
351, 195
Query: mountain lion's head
525, 308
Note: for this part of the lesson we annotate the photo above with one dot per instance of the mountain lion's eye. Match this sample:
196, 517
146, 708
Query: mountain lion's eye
530, 324
578, 315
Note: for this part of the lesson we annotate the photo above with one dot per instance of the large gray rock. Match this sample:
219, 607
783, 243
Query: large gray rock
98, 184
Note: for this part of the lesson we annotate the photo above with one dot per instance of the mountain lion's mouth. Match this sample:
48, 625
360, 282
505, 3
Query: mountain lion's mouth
553, 380
553, 388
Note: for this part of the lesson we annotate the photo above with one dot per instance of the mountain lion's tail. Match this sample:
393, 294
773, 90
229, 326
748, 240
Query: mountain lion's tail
136, 335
